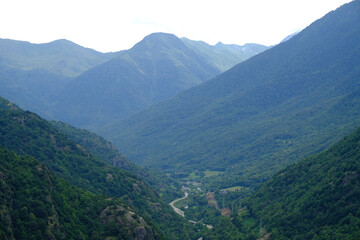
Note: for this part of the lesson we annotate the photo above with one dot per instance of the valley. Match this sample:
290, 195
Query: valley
178, 139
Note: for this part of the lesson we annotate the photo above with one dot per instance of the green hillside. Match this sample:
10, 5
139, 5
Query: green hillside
60, 57
36, 204
317, 198
26, 133
279, 106
167, 187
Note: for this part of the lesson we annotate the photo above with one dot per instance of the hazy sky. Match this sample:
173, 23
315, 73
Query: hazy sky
113, 25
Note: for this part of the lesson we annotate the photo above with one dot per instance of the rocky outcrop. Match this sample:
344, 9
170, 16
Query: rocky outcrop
135, 225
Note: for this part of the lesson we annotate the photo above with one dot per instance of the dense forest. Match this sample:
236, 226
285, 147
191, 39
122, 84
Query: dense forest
26, 133
36, 204
317, 198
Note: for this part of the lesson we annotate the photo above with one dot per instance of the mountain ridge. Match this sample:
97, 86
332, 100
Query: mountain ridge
59, 57
156, 68
276, 106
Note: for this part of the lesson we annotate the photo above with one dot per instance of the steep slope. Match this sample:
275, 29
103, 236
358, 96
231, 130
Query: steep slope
156, 68
317, 198
25, 133
60, 57
36, 204
98, 146
293, 100
168, 188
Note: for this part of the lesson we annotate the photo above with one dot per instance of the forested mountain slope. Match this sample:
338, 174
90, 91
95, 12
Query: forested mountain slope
316, 198
26, 133
288, 102
168, 188
36, 204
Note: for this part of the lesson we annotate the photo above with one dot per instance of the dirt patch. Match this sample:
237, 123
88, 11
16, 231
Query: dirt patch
226, 212
210, 196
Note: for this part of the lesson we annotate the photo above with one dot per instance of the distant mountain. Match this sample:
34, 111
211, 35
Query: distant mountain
37, 204
27, 134
317, 198
157, 68
60, 57
31, 75
288, 102
225, 56
290, 36
33, 90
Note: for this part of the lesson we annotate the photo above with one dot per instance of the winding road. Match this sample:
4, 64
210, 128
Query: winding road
175, 201
178, 211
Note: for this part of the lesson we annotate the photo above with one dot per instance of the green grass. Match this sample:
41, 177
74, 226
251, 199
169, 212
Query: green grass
182, 204
213, 173
192, 176
234, 189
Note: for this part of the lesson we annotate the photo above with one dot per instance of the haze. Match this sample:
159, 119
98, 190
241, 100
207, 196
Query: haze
112, 25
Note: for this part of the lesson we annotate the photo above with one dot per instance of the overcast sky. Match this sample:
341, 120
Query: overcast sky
113, 25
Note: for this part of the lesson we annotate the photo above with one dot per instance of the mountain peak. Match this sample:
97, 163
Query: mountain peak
158, 40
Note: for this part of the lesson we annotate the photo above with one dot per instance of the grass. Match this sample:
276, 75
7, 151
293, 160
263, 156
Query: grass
234, 189
192, 176
213, 173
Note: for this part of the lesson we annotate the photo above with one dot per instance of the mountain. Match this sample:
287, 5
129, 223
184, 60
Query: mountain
34, 90
27, 134
157, 68
167, 187
61, 57
36, 204
279, 106
32, 75
289, 36
316, 198
98, 146
225, 56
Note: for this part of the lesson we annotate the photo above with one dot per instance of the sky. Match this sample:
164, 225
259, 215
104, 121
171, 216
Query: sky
114, 25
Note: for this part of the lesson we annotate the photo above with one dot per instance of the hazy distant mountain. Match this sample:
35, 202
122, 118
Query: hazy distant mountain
275, 108
60, 57
33, 90
225, 56
290, 36
156, 68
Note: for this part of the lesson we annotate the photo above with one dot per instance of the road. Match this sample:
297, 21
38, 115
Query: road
175, 201
178, 211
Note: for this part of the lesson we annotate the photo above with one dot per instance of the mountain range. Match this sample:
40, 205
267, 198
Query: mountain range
61, 57
63, 81
279, 106
266, 149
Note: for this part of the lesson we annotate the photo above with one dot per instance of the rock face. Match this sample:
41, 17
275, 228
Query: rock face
136, 226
